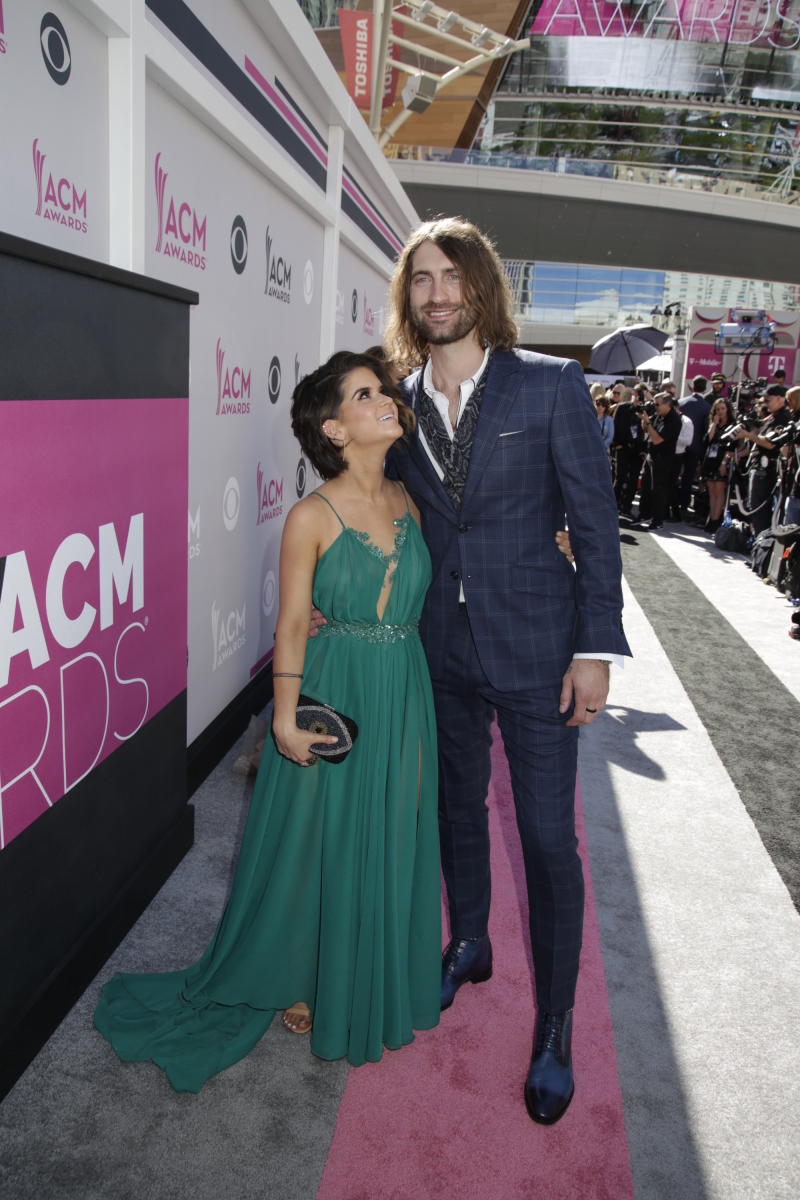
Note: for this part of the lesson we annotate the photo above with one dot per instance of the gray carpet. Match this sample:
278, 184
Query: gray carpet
751, 718
81, 1125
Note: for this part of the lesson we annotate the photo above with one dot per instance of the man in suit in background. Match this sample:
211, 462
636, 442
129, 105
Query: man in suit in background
507, 444
698, 408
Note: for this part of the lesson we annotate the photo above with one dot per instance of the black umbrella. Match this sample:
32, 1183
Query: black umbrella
626, 348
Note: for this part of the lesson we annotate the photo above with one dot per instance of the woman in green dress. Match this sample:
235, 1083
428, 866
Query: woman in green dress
334, 915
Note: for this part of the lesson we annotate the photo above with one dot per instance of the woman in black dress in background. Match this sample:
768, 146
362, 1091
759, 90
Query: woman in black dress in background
715, 467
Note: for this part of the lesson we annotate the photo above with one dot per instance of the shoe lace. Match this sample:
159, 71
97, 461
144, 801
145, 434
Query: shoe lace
452, 954
551, 1031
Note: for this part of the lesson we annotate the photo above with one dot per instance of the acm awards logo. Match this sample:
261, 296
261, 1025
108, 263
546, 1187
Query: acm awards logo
194, 534
369, 318
279, 276
183, 234
61, 202
55, 47
232, 386
228, 633
270, 497
239, 245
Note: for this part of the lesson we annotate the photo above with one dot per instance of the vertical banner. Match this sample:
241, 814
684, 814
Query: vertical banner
391, 74
356, 30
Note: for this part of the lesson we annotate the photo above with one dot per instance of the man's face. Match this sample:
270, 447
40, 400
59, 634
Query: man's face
774, 403
616, 394
439, 311
780, 378
663, 407
717, 385
670, 387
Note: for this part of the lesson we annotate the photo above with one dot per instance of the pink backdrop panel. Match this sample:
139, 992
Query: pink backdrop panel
93, 503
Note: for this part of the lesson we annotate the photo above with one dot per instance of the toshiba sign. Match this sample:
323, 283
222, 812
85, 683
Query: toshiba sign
92, 588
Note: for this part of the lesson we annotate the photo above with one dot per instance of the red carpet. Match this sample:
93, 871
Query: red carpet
445, 1116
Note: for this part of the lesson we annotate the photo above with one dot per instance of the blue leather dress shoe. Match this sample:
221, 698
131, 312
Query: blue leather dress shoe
550, 1085
465, 962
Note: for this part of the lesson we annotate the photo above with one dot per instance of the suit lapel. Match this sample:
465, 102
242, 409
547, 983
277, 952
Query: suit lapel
420, 457
502, 385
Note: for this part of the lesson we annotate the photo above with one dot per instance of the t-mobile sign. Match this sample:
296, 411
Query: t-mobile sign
92, 587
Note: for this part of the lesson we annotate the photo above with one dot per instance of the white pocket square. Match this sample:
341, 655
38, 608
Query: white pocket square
511, 433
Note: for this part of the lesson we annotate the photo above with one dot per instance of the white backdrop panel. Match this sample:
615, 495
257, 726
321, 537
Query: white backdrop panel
360, 302
255, 331
54, 132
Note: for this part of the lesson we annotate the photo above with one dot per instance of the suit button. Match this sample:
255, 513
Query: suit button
454, 574
463, 528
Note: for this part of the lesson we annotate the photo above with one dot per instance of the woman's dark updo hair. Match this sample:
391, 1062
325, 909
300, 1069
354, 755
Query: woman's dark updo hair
318, 398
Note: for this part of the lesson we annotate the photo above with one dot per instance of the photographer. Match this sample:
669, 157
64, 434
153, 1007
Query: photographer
792, 454
762, 465
662, 430
628, 449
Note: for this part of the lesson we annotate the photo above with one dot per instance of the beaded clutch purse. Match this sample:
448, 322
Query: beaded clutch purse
326, 721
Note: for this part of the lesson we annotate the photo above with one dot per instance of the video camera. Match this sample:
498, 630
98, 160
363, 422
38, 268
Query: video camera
743, 395
788, 435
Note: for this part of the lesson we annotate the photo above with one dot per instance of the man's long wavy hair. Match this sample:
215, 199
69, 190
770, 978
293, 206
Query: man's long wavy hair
484, 285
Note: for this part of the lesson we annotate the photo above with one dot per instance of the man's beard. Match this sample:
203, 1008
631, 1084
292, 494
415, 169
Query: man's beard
466, 321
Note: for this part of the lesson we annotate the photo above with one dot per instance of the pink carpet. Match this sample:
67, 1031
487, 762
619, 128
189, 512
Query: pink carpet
445, 1116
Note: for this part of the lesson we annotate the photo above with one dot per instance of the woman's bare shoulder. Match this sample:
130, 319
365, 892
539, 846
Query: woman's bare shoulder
412, 506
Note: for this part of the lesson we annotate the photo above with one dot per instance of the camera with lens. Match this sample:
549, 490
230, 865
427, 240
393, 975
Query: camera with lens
650, 409
743, 395
788, 435
746, 423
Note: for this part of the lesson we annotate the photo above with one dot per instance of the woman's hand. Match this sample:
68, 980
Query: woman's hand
563, 543
295, 744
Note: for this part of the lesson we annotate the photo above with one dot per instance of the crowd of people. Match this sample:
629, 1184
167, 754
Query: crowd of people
707, 458
703, 457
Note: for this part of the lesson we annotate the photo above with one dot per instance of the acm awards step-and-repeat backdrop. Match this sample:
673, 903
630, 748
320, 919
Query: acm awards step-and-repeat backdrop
215, 225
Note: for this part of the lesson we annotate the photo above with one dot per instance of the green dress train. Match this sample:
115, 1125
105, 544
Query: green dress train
336, 900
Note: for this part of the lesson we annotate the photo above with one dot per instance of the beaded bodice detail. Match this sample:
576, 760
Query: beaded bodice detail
354, 574
389, 561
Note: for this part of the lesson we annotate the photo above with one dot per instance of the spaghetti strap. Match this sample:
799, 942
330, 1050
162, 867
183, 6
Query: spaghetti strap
405, 494
333, 510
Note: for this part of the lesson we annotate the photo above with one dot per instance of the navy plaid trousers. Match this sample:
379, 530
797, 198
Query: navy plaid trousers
543, 758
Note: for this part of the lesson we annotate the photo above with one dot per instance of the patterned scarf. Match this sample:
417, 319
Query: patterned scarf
452, 456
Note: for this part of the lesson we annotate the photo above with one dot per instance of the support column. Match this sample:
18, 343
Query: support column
126, 148
330, 249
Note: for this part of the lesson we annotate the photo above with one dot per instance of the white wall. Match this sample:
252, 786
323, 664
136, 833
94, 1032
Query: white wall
188, 128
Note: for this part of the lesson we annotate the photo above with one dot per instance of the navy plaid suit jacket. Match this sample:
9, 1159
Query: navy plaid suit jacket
538, 454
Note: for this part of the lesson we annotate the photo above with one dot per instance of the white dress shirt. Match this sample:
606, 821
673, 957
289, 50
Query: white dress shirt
443, 405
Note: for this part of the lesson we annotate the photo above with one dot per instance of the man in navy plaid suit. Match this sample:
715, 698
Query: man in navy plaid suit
506, 445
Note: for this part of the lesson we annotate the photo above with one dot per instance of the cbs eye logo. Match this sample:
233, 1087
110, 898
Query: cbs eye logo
274, 380
55, 48
354, 306
239, 245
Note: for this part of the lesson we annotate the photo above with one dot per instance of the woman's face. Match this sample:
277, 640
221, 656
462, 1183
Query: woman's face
721, 412
367, 416
600, 405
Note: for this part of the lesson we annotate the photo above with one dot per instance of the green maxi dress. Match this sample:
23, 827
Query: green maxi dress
336, 900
